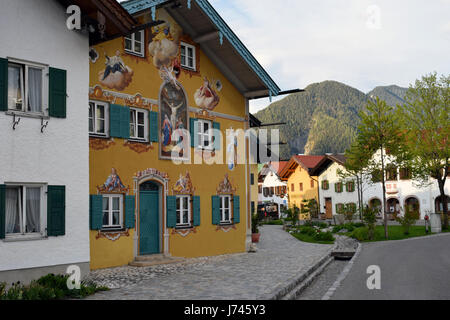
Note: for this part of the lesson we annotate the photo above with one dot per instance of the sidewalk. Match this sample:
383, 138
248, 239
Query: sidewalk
246, 276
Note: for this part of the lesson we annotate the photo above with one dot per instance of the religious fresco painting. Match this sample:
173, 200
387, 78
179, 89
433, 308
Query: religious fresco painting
164, 48
232, 145
206, 97
173, 116
113, 184
116, 74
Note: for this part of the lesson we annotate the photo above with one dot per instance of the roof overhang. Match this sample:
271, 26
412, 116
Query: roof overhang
216, 39
117, 21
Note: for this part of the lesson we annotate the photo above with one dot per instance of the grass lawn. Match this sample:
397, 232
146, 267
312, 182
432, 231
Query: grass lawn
308, 238
396, 233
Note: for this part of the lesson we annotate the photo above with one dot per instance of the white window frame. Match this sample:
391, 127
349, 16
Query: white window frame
22, 235
132, 38
24, 67
201, 134
110, 212
222, 208
145, 125
106, 106
180, 211
194, 54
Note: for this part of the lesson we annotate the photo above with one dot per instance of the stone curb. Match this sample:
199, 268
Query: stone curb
342, 276
287, 286
297, 291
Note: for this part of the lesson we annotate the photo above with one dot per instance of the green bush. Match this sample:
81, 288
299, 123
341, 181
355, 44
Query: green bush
311, 231
324, 236
49, 287
361, 234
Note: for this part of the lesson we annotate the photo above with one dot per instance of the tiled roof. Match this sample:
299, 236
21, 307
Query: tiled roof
309, 161
278, 166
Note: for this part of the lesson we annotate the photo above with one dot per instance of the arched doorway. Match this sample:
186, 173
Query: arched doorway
412, 205
439, 204
149, 218
375, 203
393, 207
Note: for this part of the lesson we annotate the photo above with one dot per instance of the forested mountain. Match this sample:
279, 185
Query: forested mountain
322, 119
393, 95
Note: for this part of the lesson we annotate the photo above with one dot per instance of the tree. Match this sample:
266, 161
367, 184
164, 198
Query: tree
426, 123
379, 140
356, 160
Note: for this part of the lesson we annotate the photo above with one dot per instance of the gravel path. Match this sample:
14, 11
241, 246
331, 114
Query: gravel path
247, 276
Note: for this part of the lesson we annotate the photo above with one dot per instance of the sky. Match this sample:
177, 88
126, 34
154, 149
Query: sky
361, 43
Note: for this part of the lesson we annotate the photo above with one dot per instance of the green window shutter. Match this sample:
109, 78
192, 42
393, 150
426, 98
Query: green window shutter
217, 140
57, 98
193, 129
56, 211
114, 120
129, 212
196, 210
119, 121
236, 209
125, 122
336, 187
96, 212
3, 84
153, 122
215, 210
2, 211
171, 211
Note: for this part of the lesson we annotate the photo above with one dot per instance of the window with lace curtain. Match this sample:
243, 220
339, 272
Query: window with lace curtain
24, 209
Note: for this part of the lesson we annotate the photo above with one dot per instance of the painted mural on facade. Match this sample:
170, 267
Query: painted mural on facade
116, 74
206, 97
173, 116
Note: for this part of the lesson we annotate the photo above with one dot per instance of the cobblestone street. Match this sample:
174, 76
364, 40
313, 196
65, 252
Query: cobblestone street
245, 276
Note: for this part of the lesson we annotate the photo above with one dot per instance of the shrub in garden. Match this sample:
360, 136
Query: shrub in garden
361, 234
324, 236
49, 287
408, 219
370, 218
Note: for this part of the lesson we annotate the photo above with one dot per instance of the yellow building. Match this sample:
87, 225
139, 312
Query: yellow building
301, 185
154, 95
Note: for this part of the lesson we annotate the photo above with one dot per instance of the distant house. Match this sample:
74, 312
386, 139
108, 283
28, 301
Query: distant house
44, 177
271, 189
402, 193
337, 195
301, 184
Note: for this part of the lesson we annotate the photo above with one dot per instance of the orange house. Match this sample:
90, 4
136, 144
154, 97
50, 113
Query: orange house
300, 183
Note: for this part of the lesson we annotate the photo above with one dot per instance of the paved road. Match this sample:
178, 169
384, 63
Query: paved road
248, 276
417, 268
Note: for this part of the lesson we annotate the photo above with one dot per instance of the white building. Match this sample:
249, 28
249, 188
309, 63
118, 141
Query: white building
44, 150
336, 194
271, 189
403, 193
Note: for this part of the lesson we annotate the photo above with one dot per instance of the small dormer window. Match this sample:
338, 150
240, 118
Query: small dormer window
187, 56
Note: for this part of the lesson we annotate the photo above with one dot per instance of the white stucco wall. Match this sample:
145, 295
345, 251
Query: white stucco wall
272, 180
403, 189
331, 174
36, 31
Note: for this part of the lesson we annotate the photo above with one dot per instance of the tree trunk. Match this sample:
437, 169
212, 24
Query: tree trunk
441, 183
359, 197
384, 196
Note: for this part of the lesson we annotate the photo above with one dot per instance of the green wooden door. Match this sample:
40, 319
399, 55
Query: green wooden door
148, 222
